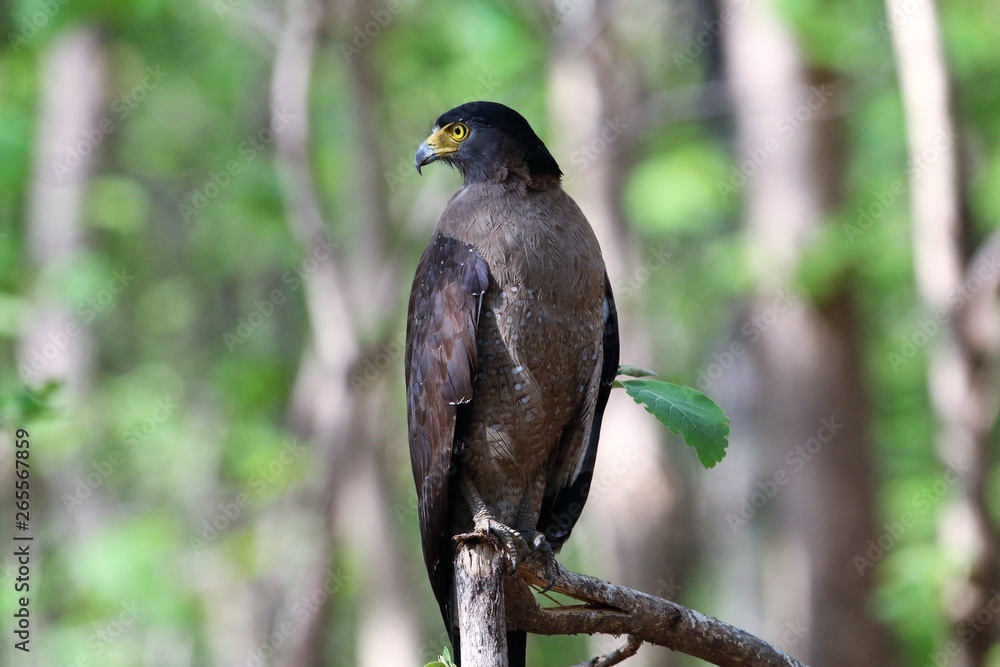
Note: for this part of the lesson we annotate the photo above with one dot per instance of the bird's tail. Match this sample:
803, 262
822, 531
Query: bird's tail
517, 642
443, 583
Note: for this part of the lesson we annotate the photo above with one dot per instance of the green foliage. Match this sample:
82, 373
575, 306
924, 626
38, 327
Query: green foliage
687, 412
444, 660
21, 404
677, 191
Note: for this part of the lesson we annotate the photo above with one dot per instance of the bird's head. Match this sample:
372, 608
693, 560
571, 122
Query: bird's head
487, 140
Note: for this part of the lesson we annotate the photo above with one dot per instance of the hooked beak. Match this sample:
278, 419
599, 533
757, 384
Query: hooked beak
438, 145
425, 155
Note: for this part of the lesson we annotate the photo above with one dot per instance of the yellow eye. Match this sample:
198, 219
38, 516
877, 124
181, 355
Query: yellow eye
458, 131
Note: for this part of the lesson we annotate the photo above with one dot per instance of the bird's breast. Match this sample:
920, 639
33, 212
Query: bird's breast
537, 351
539, 336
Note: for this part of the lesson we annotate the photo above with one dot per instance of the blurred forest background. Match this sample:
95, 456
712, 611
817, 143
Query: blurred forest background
210, 219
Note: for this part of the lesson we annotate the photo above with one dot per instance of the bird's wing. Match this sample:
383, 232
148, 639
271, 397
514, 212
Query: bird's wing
440, 370
567, 490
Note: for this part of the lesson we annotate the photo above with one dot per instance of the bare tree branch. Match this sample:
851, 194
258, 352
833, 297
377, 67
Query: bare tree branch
607, 609
616, 656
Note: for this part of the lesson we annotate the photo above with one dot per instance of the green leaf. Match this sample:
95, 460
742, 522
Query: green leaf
686, 412
444, 660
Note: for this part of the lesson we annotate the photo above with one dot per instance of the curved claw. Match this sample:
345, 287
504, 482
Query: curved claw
552, 582
507, 540
548, 556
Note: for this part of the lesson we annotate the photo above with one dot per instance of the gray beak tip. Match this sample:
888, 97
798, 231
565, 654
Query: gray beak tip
425, 155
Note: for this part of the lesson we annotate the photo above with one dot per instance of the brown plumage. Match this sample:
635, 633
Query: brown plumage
512, 346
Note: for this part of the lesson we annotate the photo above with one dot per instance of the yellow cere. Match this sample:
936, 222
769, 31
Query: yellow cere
446, 140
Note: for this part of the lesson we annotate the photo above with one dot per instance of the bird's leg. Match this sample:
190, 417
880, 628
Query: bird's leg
540, 545
486, 525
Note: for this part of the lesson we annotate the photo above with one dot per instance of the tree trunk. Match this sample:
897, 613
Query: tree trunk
809, 419
328, 405
55, 344
479, 590
959, 289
